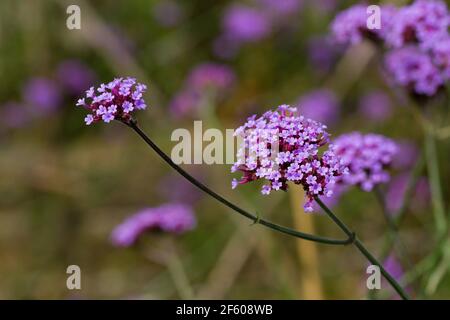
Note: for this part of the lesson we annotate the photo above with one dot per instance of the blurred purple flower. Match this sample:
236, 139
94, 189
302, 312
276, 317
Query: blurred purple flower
350, 26
42, 94
173, 218
396, 192
367, 157
323, 52
75, 76
376, 106
168, 13
393, 266
423, 22
210, 76
406, 156
320, 105
245, 24
441, 56
185, 102
412, 68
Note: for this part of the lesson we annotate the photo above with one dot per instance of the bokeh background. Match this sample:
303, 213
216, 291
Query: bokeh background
64, 187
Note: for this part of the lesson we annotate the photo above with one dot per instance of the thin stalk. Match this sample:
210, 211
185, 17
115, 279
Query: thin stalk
360, 246
410, 188
435, 184
255, 218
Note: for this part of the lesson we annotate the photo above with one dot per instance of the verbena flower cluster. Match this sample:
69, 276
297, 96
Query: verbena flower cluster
281, 146
350, 26
245, 23
367, 157
173, 218
413, 68
423, 22
416, 37
114, 100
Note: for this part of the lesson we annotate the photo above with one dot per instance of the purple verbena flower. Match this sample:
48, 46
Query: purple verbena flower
413, 68
350, 25
75, 76
394, 267
424, 22
440, 52
245, 24
281, 146
406, 156
367, 157
185, 102
320, 105
173, 218
115, 100
396, 192
42, 94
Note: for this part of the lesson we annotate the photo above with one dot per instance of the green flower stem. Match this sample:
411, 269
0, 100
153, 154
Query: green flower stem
360, 246
435, 184
255, 218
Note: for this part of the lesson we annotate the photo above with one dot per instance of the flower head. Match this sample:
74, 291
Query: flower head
411, 67
246, 24
115, 100
281, 146
173, 218
43, 94
367, 157
396, 192
440, 52
423, 22
350, 26
75, 76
